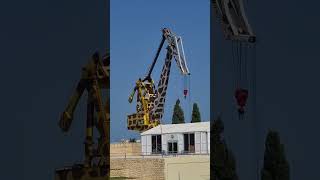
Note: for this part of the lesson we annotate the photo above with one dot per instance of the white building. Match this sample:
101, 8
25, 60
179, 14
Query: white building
177, 138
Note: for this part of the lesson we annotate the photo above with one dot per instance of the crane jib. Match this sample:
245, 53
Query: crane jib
151, 100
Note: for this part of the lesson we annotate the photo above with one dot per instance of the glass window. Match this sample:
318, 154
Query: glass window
186, 142
189, 143
191, 146
159, 148
172, 147
156, 144
169, 147
175, 147
192, 139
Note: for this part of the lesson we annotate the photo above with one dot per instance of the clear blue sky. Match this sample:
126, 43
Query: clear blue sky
135, 36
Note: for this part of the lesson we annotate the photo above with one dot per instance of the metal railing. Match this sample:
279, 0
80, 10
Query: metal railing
163, 154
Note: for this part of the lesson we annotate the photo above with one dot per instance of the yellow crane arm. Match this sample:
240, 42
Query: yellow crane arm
67, 115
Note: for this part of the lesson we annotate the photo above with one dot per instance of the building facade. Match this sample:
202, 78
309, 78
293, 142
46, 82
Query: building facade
187, 138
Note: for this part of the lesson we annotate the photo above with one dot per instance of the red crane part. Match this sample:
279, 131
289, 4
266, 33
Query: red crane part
241, 96
185, 92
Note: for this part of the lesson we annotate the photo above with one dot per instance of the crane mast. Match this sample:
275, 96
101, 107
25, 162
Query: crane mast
95, 78
151, 100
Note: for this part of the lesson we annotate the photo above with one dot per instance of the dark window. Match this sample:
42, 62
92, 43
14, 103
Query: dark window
175, 147
156, 144
159, 148
191, 147
169, 147
172, 147
189, 143
186, 142
192, 139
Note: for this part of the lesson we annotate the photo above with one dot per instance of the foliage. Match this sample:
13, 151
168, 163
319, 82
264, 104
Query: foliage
178, 115
275, 166
222, 162
195, 113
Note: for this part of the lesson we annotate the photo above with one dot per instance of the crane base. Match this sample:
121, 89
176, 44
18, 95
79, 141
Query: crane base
78, 172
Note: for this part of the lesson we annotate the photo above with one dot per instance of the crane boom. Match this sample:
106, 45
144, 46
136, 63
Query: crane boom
233, 19
67, 115
150, 101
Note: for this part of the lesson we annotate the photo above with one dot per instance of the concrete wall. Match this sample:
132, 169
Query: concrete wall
125, 149
138, 168
194, 167
186, 167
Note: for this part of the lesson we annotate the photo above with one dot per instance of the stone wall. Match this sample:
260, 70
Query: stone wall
138, 168
125, 149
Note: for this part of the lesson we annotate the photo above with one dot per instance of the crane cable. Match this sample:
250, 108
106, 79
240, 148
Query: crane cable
254, 114
234, 65
240, 63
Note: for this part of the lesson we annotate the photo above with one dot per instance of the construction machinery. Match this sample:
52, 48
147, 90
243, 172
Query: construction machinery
234, 22
151, 100
231, 15
95, 78
235, 26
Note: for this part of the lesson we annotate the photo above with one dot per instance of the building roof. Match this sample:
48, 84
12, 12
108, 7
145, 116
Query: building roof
179, 128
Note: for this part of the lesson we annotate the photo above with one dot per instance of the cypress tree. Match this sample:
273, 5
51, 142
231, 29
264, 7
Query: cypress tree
195, 113
178, 116
275, 165
222, 160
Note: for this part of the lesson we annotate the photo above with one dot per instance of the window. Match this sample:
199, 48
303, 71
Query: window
189, 142
172, 147
156, 144
186, 142
159, 148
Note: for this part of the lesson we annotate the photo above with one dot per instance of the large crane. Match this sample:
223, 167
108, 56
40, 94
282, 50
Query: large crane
235, 26
95, 78
151, 100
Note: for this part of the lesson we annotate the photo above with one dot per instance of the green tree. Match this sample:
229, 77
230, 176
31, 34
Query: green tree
275, 165
222, 160
195, 113
178, 116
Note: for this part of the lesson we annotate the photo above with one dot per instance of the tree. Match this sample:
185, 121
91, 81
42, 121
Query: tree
195, 113
178, 116
275, 166
222, 162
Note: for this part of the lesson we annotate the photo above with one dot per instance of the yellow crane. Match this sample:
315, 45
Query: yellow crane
151, 100
96, 165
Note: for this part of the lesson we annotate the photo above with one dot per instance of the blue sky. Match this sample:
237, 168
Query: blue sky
135, 32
